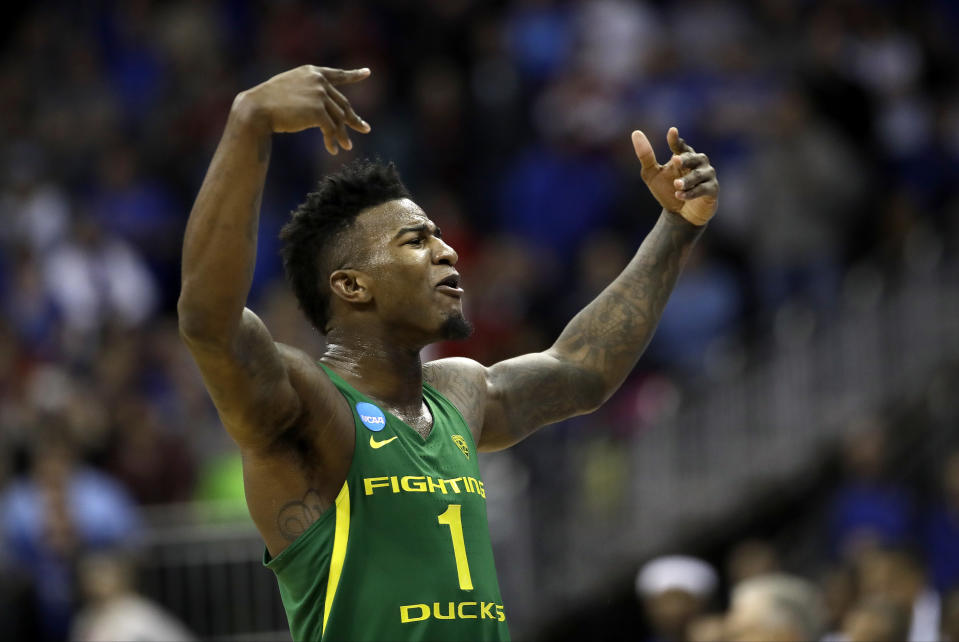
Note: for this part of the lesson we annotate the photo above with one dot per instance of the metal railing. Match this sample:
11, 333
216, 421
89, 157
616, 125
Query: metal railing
211, 576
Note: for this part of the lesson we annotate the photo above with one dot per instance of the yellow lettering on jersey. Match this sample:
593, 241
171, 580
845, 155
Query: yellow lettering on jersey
440, 484
452, 611
424, 484
369, 483
405, 611
408, 481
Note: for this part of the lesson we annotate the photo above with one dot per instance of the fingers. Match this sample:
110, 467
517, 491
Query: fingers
694, 178
329, 130
699, 182
644, 151
692, 160
351, 119
338, 110
677, 144
685, 157
344, 76
709, 188
698, 176
338, 117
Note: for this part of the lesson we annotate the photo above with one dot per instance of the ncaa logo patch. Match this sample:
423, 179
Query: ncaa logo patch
461, 444
371, 416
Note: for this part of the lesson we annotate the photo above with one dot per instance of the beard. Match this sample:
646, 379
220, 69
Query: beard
456, 327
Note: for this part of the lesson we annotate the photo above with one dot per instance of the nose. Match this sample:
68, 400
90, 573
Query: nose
443, 253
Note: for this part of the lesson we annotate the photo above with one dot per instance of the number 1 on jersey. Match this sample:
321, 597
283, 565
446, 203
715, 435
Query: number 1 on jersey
451, 517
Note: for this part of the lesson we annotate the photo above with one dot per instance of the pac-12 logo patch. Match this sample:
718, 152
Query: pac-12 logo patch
371, 416
461, 443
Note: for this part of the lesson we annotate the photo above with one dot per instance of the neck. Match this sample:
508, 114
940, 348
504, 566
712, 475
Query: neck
377, 367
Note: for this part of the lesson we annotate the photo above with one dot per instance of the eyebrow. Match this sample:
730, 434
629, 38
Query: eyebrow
422, 227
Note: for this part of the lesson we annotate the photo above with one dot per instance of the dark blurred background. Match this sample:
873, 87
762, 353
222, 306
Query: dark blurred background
795, 416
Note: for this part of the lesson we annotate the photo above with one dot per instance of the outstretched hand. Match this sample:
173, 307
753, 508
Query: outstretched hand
307, 97
686, 184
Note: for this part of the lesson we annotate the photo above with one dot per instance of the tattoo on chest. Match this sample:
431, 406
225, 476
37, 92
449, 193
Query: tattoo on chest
297, 516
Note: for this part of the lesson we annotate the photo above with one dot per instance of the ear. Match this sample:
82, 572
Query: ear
351, 285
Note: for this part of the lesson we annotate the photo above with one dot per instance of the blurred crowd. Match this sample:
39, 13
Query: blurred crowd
834, 127
884, 567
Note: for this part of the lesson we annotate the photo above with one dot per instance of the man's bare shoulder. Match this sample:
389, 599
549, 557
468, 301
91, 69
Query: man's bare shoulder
453, 373
311, 381
297, 358
463, 382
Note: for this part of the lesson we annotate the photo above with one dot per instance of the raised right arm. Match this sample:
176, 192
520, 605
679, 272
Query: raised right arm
245, 372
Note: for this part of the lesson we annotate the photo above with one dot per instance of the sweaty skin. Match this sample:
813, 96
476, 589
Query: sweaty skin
294, 429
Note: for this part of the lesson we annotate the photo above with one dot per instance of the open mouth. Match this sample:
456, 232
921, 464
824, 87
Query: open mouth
450, 286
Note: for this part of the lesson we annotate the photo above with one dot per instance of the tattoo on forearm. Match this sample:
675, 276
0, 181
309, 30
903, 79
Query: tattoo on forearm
591, 357
297, 516
610, 333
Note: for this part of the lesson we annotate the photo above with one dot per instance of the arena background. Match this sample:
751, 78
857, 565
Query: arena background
796, 407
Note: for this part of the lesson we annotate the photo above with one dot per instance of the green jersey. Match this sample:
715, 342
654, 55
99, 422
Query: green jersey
405, 553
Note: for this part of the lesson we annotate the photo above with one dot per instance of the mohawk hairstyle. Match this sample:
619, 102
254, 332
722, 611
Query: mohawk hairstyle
316, 228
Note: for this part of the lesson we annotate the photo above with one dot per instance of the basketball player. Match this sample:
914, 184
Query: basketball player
360, 466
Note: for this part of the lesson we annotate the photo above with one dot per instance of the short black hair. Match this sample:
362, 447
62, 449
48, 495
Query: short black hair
316, 227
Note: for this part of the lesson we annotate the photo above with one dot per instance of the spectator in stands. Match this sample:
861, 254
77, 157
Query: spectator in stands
942, 529
540, 37
896, 575
27, 304
674, 589
949, 624
115, 611
839, 591
703, 309
134, 208
52, 515
867, 509
775, 608
35, 210
710, 627
153, 463
95, 278
749, 558
800, 204
18, 608
876, 620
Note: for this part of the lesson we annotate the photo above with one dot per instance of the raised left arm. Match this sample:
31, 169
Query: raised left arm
600, 346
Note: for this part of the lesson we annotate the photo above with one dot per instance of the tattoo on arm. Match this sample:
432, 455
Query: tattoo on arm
602, 343
590, 359
297, 516
609, 334
561, 390
464, 390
